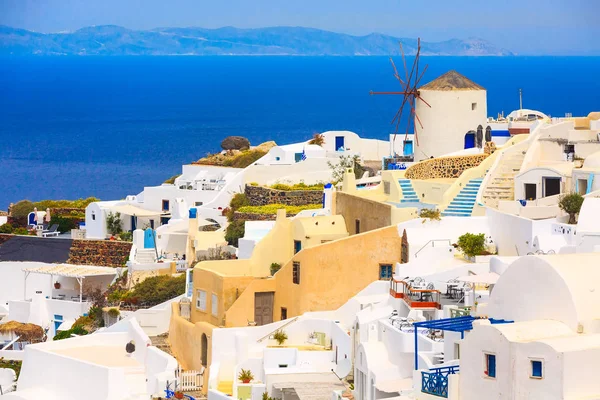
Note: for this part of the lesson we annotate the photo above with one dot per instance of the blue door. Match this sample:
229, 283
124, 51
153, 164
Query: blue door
32, 219
469, 140
58, 319
339, 143
297, 246
148, 239
408, 148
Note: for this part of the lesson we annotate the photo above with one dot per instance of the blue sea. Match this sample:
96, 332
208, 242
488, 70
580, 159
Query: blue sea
73, 127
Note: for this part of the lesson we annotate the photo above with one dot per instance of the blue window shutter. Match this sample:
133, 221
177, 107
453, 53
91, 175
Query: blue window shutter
491, 365
536, 369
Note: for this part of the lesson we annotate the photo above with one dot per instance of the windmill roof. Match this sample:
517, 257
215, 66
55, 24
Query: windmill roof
452, 80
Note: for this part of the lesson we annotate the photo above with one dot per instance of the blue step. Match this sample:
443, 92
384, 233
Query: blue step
462, 205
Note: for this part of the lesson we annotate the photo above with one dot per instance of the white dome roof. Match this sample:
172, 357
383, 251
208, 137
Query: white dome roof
592, 161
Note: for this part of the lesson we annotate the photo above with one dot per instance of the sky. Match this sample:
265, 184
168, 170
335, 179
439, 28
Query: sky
566, 27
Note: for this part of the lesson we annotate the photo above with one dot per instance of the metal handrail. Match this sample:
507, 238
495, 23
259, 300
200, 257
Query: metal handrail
432, 241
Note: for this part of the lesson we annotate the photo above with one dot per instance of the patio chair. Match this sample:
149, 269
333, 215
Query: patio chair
53, 231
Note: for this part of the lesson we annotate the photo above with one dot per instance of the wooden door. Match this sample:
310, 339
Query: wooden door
263, 307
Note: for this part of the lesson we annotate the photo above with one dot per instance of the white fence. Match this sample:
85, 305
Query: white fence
190, 380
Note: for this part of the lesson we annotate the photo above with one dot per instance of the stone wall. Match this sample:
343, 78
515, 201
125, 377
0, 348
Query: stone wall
260, 196
444, 167
107, 253
365, 213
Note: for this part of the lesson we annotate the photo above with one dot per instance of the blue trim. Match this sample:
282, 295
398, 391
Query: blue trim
193, 213
500, 134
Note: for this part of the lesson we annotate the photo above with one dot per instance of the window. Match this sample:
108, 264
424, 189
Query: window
151, 224
473, 106
385, 271
298, 157
214, 303
277, 158
357, 226
537, 369
296, 273
490, 365
297, 246
201, 300
93, 216
165, 205
164, 220
198, 203
283, 313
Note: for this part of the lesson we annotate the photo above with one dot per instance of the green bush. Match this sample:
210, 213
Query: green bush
274, 268
238, 200
77, 330
21, 231
271, 209
571, 204
472, 244
244, 159
6, 228
114, 312
21, 209
126, 236
158, 289
65, 223
235, 230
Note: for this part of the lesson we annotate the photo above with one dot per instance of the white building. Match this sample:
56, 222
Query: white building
453, 108
350, 142
95, 367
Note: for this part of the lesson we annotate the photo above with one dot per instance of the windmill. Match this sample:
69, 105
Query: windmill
410, 93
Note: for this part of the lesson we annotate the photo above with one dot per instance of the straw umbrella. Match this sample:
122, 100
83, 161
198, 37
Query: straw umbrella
26, 332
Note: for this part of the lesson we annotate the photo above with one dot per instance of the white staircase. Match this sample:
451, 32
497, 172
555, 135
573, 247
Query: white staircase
145, 256
501, 183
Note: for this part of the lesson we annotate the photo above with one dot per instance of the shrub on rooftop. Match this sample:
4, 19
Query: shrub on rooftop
472, 244
75, 330
271, 209
571, 204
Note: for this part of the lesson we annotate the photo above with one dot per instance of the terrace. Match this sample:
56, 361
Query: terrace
416, 293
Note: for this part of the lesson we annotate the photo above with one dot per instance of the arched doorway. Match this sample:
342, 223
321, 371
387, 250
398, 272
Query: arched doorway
470, 140
204, 349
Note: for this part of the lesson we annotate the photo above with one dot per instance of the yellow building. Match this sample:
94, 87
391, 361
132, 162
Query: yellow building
321, 268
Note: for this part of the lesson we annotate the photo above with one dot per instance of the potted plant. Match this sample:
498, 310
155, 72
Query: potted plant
472, 245
571, 204
245, 376
280, 337
178, 394
56, 285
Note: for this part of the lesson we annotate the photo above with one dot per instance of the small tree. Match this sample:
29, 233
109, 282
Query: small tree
472, 244
274, 268
113, 223
337, 170
571, 204
235, 230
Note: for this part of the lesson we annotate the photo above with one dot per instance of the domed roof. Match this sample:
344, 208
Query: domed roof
451, 80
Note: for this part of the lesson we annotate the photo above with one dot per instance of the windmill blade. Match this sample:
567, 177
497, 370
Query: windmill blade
422, 75
398, 115
387, 93
420, 98
404, 61
397, 75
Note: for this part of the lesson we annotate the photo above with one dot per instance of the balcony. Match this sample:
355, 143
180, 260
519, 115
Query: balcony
435, 382
415, 297
460, 312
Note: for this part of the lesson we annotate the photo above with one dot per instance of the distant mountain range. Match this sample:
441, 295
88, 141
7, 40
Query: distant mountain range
116, 40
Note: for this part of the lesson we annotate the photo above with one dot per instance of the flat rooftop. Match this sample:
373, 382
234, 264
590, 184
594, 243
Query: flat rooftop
106, 356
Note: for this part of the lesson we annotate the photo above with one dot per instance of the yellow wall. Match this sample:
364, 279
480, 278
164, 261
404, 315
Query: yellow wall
330, 274
312, 231
139, 276
185, 339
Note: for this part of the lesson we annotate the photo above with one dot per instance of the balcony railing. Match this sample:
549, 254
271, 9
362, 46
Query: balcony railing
415, 298
460, 312
435, 382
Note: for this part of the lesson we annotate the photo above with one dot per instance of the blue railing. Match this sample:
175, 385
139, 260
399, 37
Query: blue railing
435, 382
